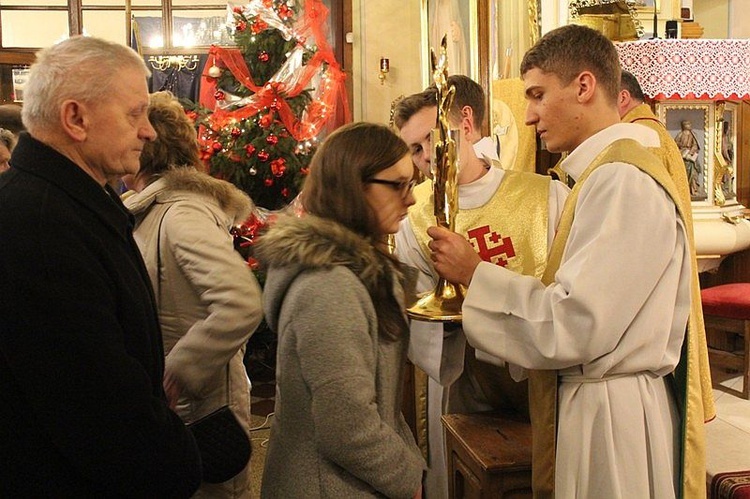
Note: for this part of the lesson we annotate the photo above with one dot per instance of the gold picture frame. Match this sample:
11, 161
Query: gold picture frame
690, 125
490, 57
458, 20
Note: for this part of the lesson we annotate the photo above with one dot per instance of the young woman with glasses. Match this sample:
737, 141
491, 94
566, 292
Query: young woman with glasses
335, 296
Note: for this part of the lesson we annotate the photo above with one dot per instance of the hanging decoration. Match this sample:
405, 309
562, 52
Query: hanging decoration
265, 102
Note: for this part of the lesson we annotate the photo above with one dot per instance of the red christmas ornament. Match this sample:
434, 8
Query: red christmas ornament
266, 120
268, 182
285, 12
236, 132
285, 192
258, 26
219, 95
263, 155
192, 115
272, 139
250, 149
278, 167
263, 56
241, 26
217, 146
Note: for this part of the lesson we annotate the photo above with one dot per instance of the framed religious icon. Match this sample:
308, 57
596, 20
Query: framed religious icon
456, 20
514, 27
725, 146
689, 126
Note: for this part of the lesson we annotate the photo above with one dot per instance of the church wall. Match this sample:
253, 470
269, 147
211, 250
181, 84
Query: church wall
714, 17
391, 29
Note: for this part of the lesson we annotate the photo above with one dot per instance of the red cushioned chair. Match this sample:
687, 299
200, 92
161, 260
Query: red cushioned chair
726, 310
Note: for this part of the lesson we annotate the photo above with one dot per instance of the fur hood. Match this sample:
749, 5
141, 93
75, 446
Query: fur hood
173, 183
293, 245
314, 242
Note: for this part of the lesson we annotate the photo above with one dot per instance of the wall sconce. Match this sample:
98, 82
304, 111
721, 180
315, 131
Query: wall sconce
385, 67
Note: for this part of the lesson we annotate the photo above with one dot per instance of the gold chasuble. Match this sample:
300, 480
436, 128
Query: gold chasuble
498, 237
692, 400
668, 153
495, 231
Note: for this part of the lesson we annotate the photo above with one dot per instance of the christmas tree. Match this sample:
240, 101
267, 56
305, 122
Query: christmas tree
265, 101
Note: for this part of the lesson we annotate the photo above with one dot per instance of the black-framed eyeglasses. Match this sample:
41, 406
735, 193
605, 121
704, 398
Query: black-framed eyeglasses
404, 187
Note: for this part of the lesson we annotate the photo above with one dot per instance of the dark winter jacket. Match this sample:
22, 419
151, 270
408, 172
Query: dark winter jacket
82, 409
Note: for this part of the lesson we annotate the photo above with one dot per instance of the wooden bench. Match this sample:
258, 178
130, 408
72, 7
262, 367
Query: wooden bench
489, 455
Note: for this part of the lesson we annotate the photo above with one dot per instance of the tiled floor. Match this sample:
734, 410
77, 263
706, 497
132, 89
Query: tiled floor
728, 436
260, 362
260, 358
261, 403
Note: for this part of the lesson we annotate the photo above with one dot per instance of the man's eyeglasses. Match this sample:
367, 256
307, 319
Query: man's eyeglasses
404, 187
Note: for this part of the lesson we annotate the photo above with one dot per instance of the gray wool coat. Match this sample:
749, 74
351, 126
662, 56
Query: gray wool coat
338, 429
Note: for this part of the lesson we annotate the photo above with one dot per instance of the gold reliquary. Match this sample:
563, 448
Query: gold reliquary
616, 20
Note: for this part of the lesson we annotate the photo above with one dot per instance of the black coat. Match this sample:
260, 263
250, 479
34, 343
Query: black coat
82, 409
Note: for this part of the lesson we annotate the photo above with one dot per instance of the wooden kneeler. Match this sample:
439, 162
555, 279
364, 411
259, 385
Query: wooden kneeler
489, 455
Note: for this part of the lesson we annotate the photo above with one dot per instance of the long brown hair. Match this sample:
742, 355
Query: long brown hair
335, 189
340, 169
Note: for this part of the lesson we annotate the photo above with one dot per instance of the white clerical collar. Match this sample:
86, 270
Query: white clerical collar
578, 160
478, 192
487, 150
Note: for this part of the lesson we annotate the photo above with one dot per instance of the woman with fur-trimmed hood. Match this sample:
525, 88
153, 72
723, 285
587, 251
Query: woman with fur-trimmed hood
209, 300
335, 297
